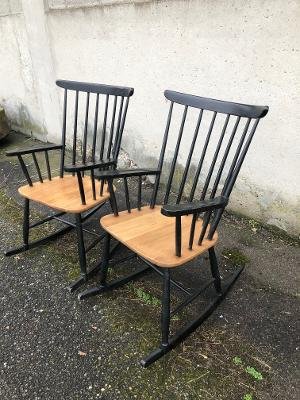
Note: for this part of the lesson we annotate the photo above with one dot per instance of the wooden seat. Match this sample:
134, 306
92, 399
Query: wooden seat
151, 235
63, 194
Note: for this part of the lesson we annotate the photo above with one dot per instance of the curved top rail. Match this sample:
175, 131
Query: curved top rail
225, 107
96, 88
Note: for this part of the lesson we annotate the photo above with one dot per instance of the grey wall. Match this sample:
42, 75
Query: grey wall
236, 50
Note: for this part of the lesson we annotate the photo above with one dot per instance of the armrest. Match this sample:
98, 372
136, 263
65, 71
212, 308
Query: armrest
126, 173
88, 166
21, 152
176, 210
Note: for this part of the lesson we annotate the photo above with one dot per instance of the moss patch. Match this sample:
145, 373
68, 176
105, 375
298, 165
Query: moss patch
10, 209
235, 257
257, 227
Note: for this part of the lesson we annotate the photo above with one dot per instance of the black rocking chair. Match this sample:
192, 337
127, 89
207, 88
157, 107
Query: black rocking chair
73, 191
169, 235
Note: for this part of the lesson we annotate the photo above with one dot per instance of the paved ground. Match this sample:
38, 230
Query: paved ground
55, 347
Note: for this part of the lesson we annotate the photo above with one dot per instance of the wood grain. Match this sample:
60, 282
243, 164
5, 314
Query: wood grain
152, 235
63, 194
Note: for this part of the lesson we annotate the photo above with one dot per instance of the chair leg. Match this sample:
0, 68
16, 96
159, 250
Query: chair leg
105, 263
215, 269
81, 254
26, 227
102, 266
26, 223
104, 286
165, 310
80, 241
80, 244
103, 272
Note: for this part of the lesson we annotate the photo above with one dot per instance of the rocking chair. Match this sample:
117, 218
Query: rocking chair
76, 192
167, 236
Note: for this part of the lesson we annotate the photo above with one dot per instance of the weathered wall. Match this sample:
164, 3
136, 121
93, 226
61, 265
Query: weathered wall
235, 50
17, 90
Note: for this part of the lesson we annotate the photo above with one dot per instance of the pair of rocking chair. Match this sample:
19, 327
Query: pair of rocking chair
166, 234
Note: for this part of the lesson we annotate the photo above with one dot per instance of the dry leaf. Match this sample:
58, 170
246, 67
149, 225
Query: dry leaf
94, 327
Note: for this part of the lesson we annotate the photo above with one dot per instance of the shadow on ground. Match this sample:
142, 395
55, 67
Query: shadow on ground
55, 347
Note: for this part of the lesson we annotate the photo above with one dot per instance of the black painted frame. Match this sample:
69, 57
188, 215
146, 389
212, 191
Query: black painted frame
87, 163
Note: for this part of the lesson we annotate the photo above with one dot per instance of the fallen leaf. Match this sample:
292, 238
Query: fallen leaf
204, 356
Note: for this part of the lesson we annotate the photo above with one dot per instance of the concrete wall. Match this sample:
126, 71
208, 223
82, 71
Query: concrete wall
238, 50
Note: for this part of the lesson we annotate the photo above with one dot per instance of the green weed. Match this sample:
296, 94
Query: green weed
250, 370
146, 298
254, 373
237, 360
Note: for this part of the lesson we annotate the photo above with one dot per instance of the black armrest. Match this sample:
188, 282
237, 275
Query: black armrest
125, 173
176, 210
88, 166
31, 150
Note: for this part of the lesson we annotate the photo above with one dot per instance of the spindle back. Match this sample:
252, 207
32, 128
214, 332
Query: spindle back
216, 146
93, 120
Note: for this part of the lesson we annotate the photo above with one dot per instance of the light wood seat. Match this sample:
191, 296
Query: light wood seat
63, 193
152, 235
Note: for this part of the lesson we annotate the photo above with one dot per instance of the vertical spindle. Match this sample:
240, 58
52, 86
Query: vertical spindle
74, 151
81, 187
63, 140
93, 184
48, 165
219, 174
24, 169
206, 220
195, 182
37, 167
192, 231
127, 195
161, 157
112, 126
173, 165
139, 193
187, 166
114, 150
95, 128
86, 122
178, 235
104, 128
215, 157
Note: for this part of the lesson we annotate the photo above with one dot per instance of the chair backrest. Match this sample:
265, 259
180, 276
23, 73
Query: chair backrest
224, 163
102, 119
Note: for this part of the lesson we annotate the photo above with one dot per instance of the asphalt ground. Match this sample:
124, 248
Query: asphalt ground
54, 346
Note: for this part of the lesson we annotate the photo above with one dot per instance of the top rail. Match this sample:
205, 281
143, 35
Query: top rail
224, 107
96, 88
